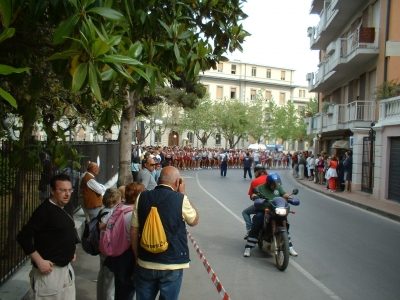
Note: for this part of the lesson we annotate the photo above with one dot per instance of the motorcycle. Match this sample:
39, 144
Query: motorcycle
275, 228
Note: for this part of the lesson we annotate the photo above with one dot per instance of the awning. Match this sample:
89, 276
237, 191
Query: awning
341, 144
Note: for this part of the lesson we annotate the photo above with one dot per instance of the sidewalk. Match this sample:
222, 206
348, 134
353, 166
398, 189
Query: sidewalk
386, 208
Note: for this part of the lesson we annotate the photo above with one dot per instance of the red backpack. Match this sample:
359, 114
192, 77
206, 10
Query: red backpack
113, 241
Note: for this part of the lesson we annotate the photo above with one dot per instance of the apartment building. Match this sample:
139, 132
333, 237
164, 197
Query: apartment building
359, 46
242, 81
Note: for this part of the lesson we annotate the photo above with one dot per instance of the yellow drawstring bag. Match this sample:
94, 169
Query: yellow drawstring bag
153, 238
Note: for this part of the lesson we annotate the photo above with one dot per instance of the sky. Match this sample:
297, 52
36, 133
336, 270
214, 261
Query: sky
279, 36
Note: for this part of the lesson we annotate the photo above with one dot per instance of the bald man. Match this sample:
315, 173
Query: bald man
92, 191
156, 271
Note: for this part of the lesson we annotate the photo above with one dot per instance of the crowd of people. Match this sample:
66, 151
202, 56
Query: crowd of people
334, 172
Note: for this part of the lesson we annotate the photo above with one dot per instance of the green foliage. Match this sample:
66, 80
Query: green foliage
387, 89
312, 107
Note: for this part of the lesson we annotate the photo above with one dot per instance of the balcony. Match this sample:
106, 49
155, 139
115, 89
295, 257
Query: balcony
389, 111
345, 55
357, 114
333, 17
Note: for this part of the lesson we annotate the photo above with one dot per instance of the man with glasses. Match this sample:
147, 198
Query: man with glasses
92, 191
49, 238
145, 176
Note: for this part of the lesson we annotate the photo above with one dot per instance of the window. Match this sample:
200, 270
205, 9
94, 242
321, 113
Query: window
218, 139
219, 92
302, 110
190, 137
253, 71
253, 94
282, 99
233, 69
267, 95
207, 88
283, 75
268, 73
220, 67
233, 93
302, 93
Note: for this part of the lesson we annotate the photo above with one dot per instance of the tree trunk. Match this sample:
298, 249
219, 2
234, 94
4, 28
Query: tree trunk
126, 132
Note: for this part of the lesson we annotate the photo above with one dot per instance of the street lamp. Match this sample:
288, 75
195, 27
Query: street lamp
174, 139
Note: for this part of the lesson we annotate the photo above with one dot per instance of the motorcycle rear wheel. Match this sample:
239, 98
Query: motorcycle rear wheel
282, 251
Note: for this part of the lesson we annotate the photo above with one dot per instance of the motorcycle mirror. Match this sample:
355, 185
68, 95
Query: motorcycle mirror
294, 201
295, 192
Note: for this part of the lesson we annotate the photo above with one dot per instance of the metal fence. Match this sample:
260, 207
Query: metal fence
21, 191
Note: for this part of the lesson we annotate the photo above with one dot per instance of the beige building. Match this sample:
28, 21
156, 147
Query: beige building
359, 44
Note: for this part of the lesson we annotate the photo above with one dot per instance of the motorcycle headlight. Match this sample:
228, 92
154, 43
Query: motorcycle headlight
280, 211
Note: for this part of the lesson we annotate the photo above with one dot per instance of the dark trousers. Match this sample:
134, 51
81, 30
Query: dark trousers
247, 170
223, 167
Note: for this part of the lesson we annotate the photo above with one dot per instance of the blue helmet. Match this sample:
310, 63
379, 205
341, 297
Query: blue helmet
273, 178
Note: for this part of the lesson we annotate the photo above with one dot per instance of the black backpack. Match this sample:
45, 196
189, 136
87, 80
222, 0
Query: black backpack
91, 235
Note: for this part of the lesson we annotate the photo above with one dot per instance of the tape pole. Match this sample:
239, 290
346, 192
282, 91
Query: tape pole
210, 271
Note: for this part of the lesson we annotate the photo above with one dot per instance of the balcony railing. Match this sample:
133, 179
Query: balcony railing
389, 110
352, 43
357, 111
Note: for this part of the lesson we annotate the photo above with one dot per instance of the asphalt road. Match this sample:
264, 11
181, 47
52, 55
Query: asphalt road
344, 252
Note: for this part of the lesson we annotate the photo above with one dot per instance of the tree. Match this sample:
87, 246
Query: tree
311, 107
257, 114
200, 120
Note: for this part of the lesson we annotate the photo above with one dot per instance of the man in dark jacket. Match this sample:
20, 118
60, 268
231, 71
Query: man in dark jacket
162, 272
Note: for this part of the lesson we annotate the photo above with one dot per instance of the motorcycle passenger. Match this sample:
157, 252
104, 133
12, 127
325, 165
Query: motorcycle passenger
271, 189
260, 175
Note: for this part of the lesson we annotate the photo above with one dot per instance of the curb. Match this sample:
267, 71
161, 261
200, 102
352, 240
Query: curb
375, 210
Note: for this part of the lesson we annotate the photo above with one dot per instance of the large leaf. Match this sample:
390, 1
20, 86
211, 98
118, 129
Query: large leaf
86, 3
6, 13
6, 34
94, 86
107, 13
65, 30
135, 50
7, 70
107, 75
79, 77
7, 96
119, 59
63, 55
100, 47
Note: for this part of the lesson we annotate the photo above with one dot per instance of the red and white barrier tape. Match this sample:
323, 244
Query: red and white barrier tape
210, 271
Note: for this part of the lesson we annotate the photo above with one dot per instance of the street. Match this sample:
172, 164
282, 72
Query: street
344, 252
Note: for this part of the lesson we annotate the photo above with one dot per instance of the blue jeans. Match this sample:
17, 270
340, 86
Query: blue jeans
251, 210
223, 167
247, 170
149, 282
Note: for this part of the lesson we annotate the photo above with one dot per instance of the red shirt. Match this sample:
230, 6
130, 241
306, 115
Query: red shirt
256, 182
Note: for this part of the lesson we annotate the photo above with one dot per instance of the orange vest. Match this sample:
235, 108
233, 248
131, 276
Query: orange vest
90, 198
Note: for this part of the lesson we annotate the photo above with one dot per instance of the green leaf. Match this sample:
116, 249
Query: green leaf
63, 55
65, 30
135, 50
74, 3
177, 53
100, 47
79, 77
114, 40
107, 13
196, 68
107, 75
120, 70
167, 29
6, 34
94, 86
5, 6
7, 96
185, 35
86, 3
7, 70
119, 59
143, 74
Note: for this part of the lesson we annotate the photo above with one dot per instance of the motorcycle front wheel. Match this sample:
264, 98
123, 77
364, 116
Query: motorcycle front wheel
282, 250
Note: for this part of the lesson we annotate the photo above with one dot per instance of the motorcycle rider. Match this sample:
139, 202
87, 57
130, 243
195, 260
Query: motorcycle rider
271, 189
260, 175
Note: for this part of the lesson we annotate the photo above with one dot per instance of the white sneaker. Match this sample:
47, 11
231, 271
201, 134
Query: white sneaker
247, 252
292, 252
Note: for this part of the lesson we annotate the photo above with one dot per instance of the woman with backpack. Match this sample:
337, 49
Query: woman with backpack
123, 265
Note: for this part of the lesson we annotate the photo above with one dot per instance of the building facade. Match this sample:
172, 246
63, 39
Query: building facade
359, 46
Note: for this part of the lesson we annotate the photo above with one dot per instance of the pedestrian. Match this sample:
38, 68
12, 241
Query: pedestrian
145, 176
49, 239
92, 191
224, 163
348, 169
340, 171
311, 166
136, 167
332, 174
123, 266
247, 162
162, 272
301, 164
